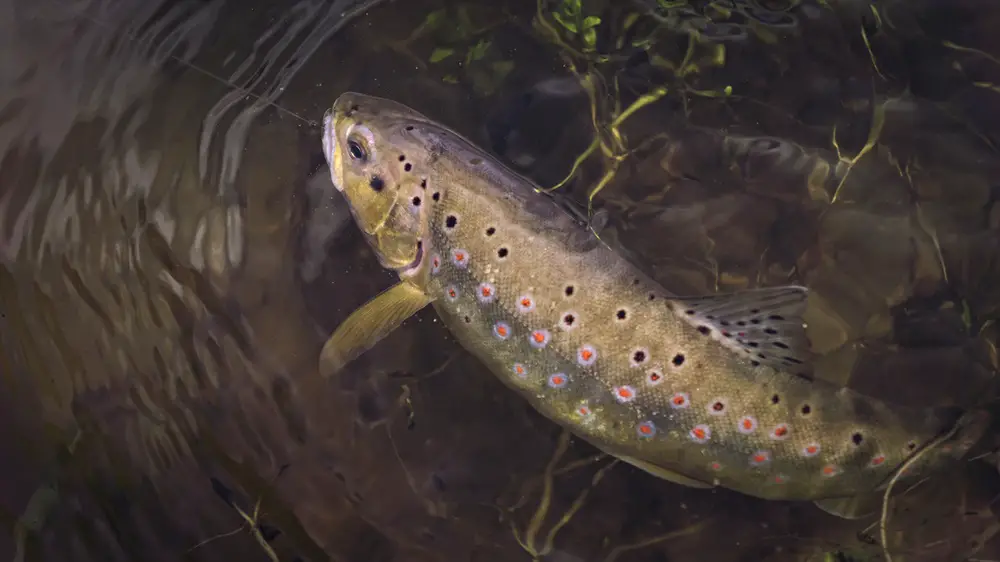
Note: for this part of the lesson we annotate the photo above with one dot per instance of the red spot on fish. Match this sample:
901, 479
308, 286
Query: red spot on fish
519, 370
646, 429
747, 424
742, 334
780, 479
878, 460
460, 257
583, 411
486, 291
557, 380
716, 466
780, 431
452, 293
810, 450
700, 433
624, 393
759, 458
525, 304
680, 400
586, 355
501, 330
539, 338
831, 470
654, 377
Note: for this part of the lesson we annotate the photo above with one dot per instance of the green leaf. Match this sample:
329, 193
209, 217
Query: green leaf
589, 38
478, 50
450, 79
591, 21
441, 53
728, 90
569, 25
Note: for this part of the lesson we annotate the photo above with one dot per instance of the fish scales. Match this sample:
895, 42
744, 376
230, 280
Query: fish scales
681, 387
616, 388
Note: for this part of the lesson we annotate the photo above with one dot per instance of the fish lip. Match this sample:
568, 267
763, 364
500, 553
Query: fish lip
414, 266
330, 148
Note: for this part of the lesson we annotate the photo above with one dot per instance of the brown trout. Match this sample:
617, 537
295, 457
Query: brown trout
702, 391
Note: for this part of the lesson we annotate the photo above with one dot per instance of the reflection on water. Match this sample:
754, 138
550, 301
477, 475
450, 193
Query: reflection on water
174, 255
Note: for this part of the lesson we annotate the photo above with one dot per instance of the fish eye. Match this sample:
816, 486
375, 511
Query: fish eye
360, 143
356, 150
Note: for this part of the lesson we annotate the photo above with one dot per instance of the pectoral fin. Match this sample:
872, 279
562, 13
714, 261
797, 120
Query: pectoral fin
369, 324
665, 474
854, 507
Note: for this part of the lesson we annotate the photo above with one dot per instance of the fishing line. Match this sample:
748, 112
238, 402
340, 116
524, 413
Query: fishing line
346, 15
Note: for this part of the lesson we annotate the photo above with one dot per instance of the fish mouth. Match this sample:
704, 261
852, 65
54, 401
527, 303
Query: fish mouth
412, 267
330, 148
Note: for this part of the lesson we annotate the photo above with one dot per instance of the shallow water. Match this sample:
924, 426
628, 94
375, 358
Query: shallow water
173, 257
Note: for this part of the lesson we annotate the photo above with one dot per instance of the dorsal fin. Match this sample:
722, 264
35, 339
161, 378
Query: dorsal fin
763, 325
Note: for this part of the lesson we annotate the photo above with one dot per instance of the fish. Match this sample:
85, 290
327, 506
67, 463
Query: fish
702, 391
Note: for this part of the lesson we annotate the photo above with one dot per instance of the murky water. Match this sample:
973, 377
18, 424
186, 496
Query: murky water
173, 256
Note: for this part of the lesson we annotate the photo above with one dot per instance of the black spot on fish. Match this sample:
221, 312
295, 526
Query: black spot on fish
755, 363
451, 221
639, 356
782, 345
635, 281
689, 312
722, 322
753, 344
407, 167
502, 253
416, 201
741, 323
402, 157
491, 231
436, 196
911, 445
621, 314
476, 161
678, 360
423, 183
376, 183
718, 406
651, 296
569, 319
792, 360
806, 409
775, 317
704, 330
468, 320
775, 399
857, 439
409, 127
569, 290
755, 320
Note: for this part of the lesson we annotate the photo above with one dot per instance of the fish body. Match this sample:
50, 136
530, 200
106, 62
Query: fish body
705, 391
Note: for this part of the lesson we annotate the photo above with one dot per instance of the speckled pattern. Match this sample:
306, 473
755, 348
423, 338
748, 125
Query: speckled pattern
600, 348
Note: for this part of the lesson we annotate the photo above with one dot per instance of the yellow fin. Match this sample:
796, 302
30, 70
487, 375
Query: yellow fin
665, 474
369, 324
854, 507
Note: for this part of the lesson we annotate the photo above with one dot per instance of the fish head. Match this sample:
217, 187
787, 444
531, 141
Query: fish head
371, 148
